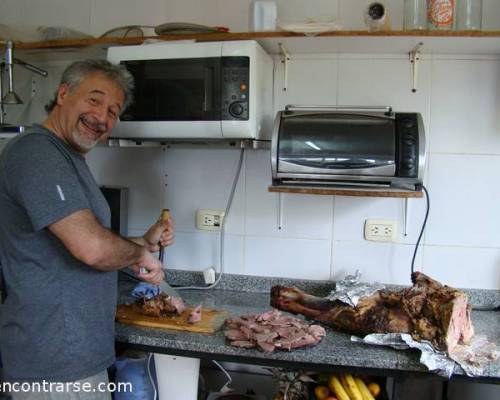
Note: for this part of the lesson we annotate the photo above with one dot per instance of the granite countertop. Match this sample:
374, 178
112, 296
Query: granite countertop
243, 295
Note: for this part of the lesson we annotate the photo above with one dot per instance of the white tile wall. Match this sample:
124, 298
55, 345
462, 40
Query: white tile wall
379, 262
461, 89
465, 267
464, 199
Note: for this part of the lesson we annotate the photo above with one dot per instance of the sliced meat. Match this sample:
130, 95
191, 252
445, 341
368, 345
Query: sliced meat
195, 315
271, 330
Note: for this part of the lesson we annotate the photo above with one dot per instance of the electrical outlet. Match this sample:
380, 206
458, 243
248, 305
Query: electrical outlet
380, 230
209, 220
209, 275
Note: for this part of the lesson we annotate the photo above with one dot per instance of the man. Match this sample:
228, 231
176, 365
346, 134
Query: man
58, 257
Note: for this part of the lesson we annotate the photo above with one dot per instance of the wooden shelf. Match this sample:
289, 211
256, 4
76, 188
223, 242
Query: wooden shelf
358, 192
453, 42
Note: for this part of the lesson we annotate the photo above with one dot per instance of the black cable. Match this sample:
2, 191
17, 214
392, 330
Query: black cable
422, 230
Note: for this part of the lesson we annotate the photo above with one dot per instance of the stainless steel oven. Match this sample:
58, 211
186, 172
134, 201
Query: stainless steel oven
355, 146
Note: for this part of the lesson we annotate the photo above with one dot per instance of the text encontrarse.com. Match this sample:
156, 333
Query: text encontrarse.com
64, 387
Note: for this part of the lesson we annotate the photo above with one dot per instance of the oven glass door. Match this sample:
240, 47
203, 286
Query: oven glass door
337, 143
175, 90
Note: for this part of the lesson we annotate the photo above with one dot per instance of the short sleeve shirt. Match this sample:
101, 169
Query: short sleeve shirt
57, 320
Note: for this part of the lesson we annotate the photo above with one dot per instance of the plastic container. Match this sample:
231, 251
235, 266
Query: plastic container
415, 15
440, 14
263, 16
469, 15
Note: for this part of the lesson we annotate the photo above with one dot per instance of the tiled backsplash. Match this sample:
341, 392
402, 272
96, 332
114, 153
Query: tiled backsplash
322, 236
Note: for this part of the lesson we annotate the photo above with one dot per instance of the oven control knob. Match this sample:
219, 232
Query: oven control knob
236, 109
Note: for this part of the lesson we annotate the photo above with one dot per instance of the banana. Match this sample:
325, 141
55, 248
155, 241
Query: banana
338, 389
363, 389
352, 388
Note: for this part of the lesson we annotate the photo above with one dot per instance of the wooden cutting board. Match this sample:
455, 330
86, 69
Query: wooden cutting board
211, 320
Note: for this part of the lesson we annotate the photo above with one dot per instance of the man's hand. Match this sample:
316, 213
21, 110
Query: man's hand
149, 269
160, 233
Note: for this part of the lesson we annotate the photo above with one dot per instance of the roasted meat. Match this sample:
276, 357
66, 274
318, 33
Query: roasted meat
427, 310
162, 304
271, 330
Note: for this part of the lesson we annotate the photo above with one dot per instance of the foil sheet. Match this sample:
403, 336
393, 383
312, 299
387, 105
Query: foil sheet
473, 358
351, 289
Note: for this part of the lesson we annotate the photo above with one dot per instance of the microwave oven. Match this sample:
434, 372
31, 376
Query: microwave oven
208, 90
348, 146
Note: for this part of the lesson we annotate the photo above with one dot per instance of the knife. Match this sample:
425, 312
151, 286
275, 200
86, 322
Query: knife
164, 286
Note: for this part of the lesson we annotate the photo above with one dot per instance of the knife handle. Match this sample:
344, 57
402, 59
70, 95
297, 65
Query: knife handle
165, 214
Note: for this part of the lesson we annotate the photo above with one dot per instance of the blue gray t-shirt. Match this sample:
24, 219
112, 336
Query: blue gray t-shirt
57, 321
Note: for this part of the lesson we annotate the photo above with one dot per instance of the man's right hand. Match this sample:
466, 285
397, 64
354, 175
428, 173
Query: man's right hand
149, 269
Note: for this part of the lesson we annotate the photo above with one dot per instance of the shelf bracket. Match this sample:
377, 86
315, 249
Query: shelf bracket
285, 59
279, 209
405, 217
414, 61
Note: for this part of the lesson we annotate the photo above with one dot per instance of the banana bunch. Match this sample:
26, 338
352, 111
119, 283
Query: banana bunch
347, 387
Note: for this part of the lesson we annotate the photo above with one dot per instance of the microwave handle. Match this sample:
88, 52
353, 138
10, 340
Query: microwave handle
209, 88
294, 107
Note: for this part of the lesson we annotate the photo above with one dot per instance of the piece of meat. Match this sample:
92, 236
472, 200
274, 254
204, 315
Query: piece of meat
427, 310
195, 315
271, 330
162, 304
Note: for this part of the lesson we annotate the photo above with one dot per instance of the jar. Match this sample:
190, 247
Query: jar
469, 15
415, 15
440, 14
263, 16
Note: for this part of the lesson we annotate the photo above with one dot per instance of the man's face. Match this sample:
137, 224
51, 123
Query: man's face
89, 112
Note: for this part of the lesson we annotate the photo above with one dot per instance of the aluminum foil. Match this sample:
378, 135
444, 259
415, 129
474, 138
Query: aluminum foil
351, 289
473, 358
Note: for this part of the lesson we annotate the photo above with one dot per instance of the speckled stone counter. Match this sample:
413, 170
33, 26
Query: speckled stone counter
235, 295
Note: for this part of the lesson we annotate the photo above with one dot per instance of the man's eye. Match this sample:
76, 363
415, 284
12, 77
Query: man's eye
112, 115
93, 100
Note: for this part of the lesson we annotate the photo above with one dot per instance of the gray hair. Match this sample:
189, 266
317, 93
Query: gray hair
77, 71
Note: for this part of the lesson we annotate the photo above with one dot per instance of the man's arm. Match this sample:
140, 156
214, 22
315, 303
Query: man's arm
88, 241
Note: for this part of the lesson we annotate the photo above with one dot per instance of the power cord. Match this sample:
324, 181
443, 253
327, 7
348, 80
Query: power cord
151, 376
421, 230
225, 388
222, 226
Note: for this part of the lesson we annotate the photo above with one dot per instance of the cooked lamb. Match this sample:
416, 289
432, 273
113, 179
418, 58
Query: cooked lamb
427, 310
162, 304
195, 315
270, 330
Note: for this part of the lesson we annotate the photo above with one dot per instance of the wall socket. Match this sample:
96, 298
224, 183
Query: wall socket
209, 220
380, 230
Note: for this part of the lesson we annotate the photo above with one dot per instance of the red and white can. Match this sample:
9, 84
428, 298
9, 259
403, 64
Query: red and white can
440, 14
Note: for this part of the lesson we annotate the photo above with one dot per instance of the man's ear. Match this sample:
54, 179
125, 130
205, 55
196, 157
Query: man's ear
62, 93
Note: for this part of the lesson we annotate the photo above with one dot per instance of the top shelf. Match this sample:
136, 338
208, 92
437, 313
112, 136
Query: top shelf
442, 42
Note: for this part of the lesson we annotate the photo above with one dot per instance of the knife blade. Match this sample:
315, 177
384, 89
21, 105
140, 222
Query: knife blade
168, 290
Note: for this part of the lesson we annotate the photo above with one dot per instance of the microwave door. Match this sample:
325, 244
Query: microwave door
175, 90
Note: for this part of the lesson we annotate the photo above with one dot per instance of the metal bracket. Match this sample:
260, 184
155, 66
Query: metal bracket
285, 58
414, 59
405, 217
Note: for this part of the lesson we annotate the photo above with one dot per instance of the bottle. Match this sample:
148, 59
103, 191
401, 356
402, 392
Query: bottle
415, 15
263, 16
469, 15
441, 14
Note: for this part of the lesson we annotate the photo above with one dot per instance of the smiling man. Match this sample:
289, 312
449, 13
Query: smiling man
58, 257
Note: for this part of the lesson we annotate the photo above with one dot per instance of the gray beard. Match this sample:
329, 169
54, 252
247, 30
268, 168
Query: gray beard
77, 138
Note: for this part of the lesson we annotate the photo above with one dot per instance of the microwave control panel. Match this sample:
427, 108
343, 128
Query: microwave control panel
235, 88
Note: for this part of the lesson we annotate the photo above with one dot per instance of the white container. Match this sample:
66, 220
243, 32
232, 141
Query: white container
177, 377
263, 16
415, 15
469, 15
